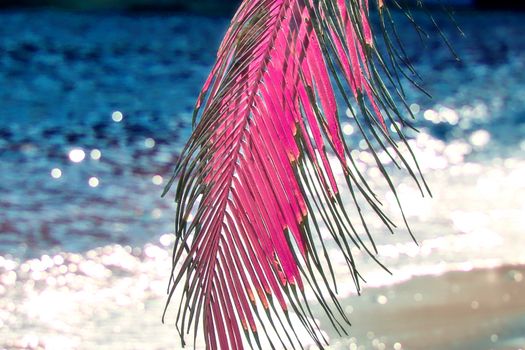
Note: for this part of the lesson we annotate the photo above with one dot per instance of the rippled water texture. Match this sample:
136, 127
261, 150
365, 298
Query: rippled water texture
95, 109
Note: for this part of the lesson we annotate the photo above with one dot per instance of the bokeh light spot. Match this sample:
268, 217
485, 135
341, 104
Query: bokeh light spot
149, 142
157, 180
77, 155
415, 108
95, 154
382, 299
56, 173
117, 116
480, 138
93, 182
348, 129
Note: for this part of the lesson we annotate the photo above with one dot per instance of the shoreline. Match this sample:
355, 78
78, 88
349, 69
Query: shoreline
477, 309
482, 308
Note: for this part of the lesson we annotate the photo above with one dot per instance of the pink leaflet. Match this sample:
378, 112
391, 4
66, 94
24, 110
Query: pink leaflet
282, 131
326, 94
234, 282
248, 257
357, 56
314, 127
261, 248
277, 236
268, 243
279, 175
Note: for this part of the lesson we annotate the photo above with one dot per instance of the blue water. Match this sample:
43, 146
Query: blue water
62, 75
95, 108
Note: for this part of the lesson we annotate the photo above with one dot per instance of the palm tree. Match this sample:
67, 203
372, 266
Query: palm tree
258, 174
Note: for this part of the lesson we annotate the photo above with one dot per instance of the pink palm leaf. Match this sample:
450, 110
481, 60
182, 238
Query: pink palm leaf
258, 173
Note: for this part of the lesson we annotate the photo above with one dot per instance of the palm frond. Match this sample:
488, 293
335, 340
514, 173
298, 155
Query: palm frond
256, 173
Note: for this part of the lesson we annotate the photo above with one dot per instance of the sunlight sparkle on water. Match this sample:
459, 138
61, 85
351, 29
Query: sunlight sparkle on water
56, 173
440, 114
93, 182
348, 129
431, 115
449, 115
149, 142
415, 108
156, 213
381, 299
480, 138
395, 126
166, 239
77, 155
117, 116
157, 180
95, 154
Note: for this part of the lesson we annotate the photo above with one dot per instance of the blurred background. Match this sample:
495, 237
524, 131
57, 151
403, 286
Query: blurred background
95, 106
216, 7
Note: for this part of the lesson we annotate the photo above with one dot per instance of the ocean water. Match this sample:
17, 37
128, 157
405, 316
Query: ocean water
96, 107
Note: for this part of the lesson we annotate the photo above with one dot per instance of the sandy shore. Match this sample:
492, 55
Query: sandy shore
469, 310
478, 309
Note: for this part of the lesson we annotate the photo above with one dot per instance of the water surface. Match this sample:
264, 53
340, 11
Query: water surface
96, 107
